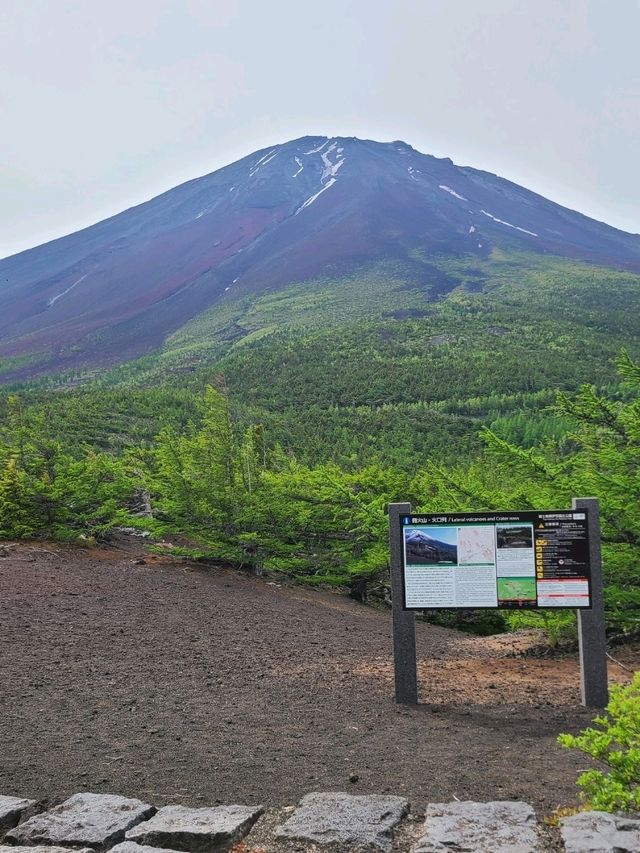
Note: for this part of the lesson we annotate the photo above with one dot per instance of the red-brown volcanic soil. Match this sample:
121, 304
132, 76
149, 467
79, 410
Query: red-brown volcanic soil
182, 683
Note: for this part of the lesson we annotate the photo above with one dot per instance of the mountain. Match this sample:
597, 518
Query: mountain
420, 548
314, 208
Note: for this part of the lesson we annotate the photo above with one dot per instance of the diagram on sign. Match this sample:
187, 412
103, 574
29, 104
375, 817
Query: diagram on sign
477, 545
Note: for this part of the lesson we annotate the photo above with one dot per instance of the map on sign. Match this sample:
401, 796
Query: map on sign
507, 559
476, 545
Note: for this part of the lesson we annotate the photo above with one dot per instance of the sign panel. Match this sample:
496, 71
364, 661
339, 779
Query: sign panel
496, 559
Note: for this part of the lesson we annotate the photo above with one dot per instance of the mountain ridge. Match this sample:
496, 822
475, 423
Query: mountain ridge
312, 206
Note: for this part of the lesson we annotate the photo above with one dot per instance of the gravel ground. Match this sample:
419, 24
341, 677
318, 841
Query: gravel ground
187, 684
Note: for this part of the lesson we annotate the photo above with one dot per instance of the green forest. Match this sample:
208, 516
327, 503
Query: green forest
271, 433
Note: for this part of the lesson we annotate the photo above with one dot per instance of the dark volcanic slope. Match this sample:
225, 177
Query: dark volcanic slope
116, 289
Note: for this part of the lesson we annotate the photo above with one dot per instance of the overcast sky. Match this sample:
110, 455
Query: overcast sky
106, 103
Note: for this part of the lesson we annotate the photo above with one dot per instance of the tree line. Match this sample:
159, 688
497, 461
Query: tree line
239, 499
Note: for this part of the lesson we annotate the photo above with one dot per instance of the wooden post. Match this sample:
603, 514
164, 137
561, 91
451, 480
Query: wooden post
594, 690
404, 621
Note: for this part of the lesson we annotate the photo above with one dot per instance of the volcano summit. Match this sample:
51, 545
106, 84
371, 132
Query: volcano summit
315, 206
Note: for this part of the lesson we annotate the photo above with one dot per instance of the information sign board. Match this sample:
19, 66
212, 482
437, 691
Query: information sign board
496, 560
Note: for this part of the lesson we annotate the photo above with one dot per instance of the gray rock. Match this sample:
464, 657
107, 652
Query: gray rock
196, 830
11, 810
132, 847
336, 818
599, 832
41, 849
497, 827
84, 820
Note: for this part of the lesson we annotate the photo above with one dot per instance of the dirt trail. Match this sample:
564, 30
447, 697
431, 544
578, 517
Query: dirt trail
177, 683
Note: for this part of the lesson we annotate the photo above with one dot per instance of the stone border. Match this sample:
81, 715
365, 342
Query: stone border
321, 822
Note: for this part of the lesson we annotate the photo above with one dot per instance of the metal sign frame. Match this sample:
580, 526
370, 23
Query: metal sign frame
591, 622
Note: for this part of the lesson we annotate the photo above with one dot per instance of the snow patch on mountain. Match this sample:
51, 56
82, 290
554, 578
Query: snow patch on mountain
329, 171
263, 162
299, 162
309, 201
319, 148
508, 224
53, 301
452, 192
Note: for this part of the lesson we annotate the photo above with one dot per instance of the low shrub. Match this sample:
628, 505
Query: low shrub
616, 744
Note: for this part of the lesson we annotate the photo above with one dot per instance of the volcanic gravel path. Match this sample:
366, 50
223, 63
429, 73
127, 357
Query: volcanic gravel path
180, 683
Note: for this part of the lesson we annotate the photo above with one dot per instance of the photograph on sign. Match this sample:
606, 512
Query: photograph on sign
507, 559
438, 546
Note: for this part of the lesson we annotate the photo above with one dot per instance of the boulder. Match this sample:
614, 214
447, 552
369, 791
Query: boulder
11, 810
39, 848
132, 847
202, 830
599, 832
494, 827
84, 820
337, 818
